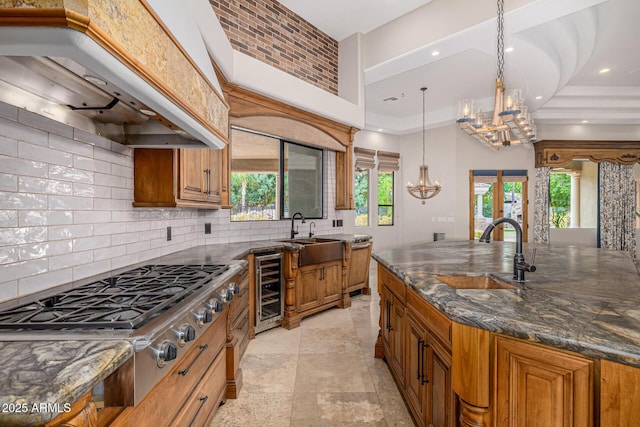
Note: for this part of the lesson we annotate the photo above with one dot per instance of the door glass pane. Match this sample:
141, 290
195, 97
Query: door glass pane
512, 208
483, 215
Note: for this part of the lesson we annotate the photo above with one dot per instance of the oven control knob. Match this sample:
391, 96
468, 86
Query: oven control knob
215, 305
226, 295
167, 351
203, 316
185, 334
233, 287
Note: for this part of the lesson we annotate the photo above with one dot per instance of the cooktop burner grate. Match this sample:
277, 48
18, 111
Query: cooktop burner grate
124, 301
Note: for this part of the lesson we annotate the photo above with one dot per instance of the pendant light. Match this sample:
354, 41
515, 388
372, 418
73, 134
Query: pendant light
424, 189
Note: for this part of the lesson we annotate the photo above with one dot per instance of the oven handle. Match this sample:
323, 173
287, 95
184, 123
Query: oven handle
203, 400
185, 371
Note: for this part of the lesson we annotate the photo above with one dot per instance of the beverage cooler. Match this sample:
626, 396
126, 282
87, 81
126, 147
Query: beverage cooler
269, 292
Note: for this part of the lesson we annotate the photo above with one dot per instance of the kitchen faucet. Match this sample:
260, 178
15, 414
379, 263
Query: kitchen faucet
519, 264
293, 218
311, 233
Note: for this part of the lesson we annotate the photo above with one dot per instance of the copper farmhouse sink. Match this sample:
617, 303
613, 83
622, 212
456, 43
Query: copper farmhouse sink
317, 250
482, 281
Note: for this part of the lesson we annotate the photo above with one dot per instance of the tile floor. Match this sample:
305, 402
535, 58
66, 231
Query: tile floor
320, 374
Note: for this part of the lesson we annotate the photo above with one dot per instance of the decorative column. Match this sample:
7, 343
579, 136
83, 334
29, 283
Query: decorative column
574, 208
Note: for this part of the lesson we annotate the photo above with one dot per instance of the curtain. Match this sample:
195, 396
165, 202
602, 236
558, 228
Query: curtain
365, 158
541, 206
617, 207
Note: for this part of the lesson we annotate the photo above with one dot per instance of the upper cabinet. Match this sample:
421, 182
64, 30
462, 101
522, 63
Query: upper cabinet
178, 178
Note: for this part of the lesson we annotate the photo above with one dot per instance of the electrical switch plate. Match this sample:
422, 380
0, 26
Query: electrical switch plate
207, 228
339, 223
334, 222
168, 233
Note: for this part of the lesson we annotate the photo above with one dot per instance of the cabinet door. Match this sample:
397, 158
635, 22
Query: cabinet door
441, 398
539, 386
415, 381
385, 315
397, 338
359, 265
213, 176
307, 295
331, 285
191, 178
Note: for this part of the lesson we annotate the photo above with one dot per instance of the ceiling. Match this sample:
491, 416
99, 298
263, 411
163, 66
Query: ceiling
558, 48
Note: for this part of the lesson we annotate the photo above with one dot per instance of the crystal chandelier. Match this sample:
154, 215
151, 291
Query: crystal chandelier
424, 189
511, 123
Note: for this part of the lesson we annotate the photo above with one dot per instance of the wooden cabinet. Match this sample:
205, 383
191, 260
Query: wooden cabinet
237, 335
619, 394
416, 340
539, 386
186, 177
317, 285
358, 256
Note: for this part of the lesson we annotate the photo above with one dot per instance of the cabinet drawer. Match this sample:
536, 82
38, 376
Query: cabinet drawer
239, 304
201, 405
437, 323
395, 285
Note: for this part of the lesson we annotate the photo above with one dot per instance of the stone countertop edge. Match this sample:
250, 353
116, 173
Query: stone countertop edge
30, 368
583, 322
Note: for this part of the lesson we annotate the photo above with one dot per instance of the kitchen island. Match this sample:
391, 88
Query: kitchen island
580, 302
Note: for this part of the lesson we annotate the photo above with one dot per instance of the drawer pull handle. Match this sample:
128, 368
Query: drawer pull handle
203, 400
185, 371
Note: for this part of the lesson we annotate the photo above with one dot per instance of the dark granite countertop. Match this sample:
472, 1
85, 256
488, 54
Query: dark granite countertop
40, 379
580, 299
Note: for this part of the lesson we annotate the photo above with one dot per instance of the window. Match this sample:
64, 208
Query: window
271, 178
573, 195
385, 198
559, 199
362, 197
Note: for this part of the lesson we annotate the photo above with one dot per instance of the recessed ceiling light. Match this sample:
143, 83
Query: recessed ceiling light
509, 49
604, 71
379, 130
585, 121
95, 80
539, 97
435, 53
147, 112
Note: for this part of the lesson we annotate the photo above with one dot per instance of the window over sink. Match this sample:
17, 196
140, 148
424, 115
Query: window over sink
272, 178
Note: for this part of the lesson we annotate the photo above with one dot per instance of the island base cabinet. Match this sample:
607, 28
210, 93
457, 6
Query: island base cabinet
619, 394
538, 386
83, 413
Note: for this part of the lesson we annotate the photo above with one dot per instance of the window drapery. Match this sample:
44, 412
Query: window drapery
541, 206
365, 158
617, 207
388, 161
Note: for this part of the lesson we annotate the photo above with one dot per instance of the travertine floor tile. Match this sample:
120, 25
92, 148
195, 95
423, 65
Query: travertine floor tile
333, 372
255, 409
331, 340
276, 341
337, 409
269, 373
332, 318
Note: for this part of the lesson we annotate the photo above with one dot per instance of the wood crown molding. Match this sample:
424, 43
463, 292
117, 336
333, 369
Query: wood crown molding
64, 17
554, 153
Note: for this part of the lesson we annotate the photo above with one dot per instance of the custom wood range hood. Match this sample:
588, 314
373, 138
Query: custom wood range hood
109, 68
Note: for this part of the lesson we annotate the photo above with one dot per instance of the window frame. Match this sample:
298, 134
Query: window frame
393, 198
368, 194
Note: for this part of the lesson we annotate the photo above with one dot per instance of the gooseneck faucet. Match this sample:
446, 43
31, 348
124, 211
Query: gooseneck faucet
293, 218
519, 264
311, 232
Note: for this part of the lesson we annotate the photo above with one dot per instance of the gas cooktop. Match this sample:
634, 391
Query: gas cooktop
124, 301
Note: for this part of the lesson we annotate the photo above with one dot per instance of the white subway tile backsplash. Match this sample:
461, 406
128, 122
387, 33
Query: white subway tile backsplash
44, 281
90, 138
122, 194
101, 229
87, 243
109, 253
8, 182
68, 145
61, 232
46, 124
23, 200
91, 217
8, 112
8, 290
70, 203
136, 248
109, 180
91, 164
123, 239
12, 165
111, 204
22, 269
108, 156
125, 216
70, 260
91, 269
8, 146
21, 132
8, 218
30, 218
70, 174
8, 254
46, 249
124, 261
120, 170
29, 184
44, 154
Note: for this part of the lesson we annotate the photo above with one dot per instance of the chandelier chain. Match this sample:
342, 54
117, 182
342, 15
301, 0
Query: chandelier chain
500, 39
424, 125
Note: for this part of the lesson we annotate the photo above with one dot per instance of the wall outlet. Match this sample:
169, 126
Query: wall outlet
168, 233
339, 223
207, 228
334, 222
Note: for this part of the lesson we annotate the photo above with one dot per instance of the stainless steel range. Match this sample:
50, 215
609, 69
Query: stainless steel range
161, 309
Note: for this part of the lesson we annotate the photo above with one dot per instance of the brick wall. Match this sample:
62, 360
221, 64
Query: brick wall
268, 31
